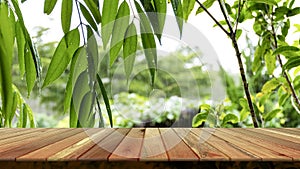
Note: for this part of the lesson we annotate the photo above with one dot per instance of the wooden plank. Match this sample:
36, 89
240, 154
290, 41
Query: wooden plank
19, 135
130, 148
45, 140
43, 153
273, 139
264, 153
75, 151
205, 151
282, 135
287, 130
103, 149
294, 154
153, 148
177, 150
233, 153
21, 141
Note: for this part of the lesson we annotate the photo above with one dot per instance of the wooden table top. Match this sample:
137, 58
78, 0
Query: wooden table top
150, 144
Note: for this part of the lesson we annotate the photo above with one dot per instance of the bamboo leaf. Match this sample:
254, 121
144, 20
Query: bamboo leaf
6, 55
21, 47
270, 63
92, 56
188, 6
77, 62
85, 111
109, 12
73, 116
49, 6
148, 42
177, 8
161, 9
269, 116
24, 116
88, 17
30, 116
106, 100
119, 30
94, 9
129, 49
269, 2
207, 4
62, 56
199, 119
66, 14
30, 71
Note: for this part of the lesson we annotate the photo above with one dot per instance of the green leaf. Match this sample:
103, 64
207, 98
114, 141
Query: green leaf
6, 55
244, 114
24, 115
283, 98
230, 118
270, 62
148, 42
161, 9
30, 71
109, 12
293, 12
73, 116
105, 98
199, 119
291, 3
92, 56
238, 33
119, 30
292, 62
62, 56
49, 6
129, 49
88, 17
78, 63
187, 6
30, 116
94, 9
270, 85
269, 116
207, 4
283, 49
177, 8
21, 48
269, 2
66, 14
85, 111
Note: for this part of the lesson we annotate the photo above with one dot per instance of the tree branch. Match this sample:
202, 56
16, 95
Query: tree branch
241, 5
81, 23
226, 17
213, 18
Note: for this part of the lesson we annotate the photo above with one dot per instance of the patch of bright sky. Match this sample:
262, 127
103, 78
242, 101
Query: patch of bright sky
34, 17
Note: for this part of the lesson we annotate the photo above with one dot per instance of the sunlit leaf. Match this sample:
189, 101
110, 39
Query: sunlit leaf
24, 115
187, 6
21, 48
62, 56
269, 2
283, 49
199, 119
88, 17
177, 8
270, 85
270, 61
119, 30
161, 9
106, 100
129, 49
270, 115
49, 6
230, 118
30, 71
66, 14
207, 4
94, 9
109, 12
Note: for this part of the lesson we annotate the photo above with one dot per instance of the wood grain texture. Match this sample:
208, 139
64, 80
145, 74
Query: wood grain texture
149, 145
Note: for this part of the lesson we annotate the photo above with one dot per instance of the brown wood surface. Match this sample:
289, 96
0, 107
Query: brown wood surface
150, 144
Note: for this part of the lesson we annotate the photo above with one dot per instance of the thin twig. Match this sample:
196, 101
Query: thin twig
213, 18
241, 5
281, 65
226, 17
81, 23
